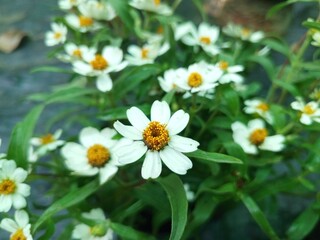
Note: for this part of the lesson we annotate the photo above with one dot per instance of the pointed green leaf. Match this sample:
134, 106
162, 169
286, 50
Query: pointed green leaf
129, 233
214, 157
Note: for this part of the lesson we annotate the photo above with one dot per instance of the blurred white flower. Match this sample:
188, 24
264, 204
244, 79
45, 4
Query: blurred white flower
19, 227
99, 10
259, 107
100, 231
57, 35
310, 112
230, 73
74, 52
68, 4
189, 194
12, 189
243, 33
170, 79
255, 136
82, 23
94, 155
157, 139
155, 6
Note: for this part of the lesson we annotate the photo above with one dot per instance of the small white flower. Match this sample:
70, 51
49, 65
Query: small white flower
243, 33
47, 143
230, 73
19, 227
82, 23
12, 189
94, 155
100, 65
155, 6
316, 39
259, 107
157, 139
255, 136
310, 112
57, 35
170, 79
99, 10
100, 231
68, 4
189, 194
74, 52
205, 36
183, 29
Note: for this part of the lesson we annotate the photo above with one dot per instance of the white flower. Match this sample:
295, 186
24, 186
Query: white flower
94, 155
205, 36
199, 78
19, 227
170, 79
310, 112
183, 29
243, 33
99, 10
74, 52
316, 39
155, 6
230, 73
12, 189
157, 139
68, 4
255, 136
82, 23
100, 65
48, 142
259, 107
57, 35
100, 231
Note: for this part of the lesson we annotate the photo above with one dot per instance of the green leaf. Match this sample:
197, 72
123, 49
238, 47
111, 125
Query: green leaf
214, 157
312, 25
51, 69
179, 204
49, 230
266, 63
122, 9
277, 45
121, 112
169, 96
20, 137
303, 224
259, 216
289, 87
72, 198
279, 6
129, 233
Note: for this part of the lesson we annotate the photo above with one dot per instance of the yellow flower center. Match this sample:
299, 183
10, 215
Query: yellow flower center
7, 186
18, 235
195, 79
157, 2
49, 138
308, 110
223, 65
205, 40
144, 53
160, 30
263, 107
258, 136
57, 35
245, 32
98, 155
156, 136
99, 62
85, 21
77, 53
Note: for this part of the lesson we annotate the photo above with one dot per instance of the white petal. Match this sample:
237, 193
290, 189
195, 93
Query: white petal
137, 118
255, 123
9, 167
178, 122
305, 119
21, 218
19, 175
104, 83
19, 201
9, 225
5, 203
81, 231
131, 153
297, 105
175, 161
107, 173
71, 150
151, 167
128, 131
88, 136
273, 143
96, 214
183, 144
24, 189
160, 111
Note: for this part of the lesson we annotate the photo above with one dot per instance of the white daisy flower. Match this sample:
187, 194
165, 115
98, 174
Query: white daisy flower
157, 139
256, 106
100, 231
230, 73
94, 155
255, 136
243, 33
199, 78
12, 189
100, 65
57, 35
82, 23
170, 79
155, 6
99, 10
47, 143
75, 52
310, 112
68, 4
19, 227
183, 29
205, 36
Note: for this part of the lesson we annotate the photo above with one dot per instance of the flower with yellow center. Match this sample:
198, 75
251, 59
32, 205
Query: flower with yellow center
98, 10
19, 227
155, 6
157, 139
100, 231
244, 33
230, 72
95, 154
12, 189
82, 23
169, 80
255, 137
259, 107
68, 4
309, 112
195, 79
57, 35
75, 52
